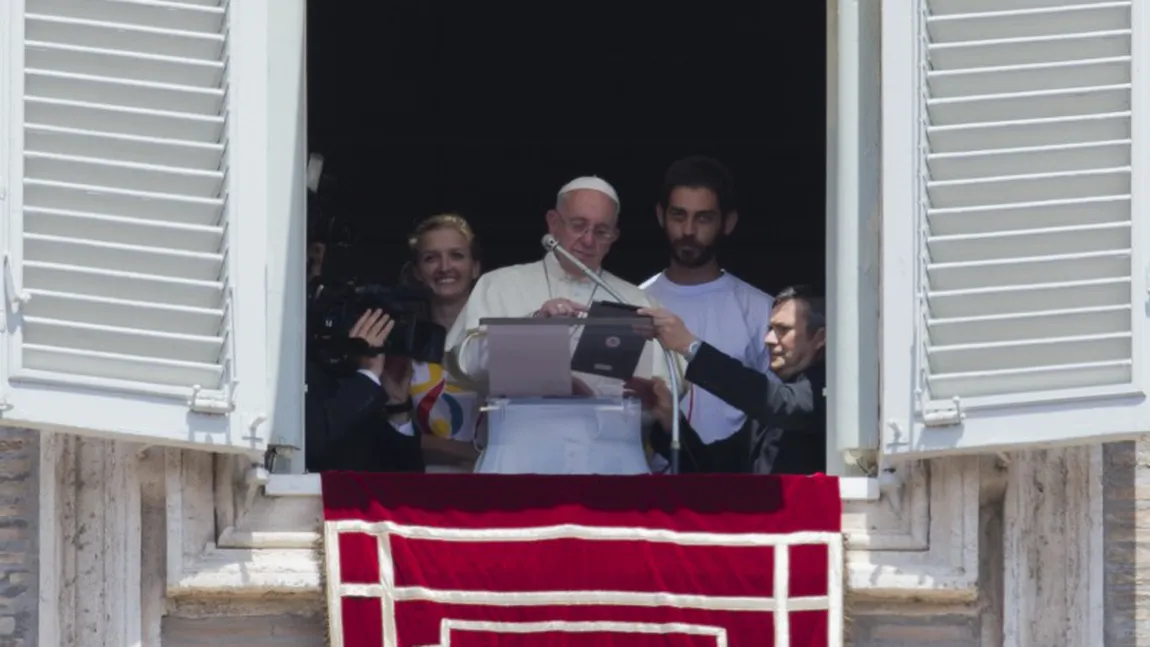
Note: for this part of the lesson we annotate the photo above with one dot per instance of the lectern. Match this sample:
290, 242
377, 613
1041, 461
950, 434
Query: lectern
556, 400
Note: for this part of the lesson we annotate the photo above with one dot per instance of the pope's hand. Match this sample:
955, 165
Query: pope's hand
560, 307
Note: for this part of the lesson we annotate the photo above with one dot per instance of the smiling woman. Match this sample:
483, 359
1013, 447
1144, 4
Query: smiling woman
446, 259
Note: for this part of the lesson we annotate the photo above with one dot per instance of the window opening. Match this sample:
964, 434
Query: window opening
486, 115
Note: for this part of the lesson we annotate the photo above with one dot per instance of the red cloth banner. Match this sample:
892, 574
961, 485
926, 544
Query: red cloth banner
461, 560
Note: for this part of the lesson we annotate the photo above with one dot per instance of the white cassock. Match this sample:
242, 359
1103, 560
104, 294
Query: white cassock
557, 436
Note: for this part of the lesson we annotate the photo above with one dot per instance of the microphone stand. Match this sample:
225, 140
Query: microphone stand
551, 244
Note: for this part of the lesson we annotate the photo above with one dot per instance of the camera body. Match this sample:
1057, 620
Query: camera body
334, 307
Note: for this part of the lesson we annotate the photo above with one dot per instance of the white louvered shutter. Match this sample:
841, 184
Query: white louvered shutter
1014, 222
134, 264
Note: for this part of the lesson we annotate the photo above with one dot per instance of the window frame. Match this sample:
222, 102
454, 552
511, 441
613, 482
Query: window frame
852, 219
286, 240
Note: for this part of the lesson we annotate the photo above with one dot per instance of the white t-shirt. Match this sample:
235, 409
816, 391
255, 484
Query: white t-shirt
731, 315
442, 407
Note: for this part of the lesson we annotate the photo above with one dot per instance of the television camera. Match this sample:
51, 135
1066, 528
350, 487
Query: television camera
335, 307
345, 289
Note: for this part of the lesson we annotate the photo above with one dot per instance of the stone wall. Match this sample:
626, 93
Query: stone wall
1125, 506
1126, 577
949, 629
19, 529
1039, 562
922, 625
957, 628
284, 630
912, 628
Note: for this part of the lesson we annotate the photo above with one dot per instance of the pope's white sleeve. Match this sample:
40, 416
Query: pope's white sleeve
471, 358
466, 356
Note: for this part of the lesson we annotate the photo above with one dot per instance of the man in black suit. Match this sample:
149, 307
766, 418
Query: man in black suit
786, 430
362, 421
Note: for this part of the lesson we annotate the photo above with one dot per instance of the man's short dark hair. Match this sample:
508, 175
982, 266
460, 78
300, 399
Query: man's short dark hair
700, 172
814, 305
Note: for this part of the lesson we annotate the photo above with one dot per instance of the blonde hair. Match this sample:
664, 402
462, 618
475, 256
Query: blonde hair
442, 221
433, 223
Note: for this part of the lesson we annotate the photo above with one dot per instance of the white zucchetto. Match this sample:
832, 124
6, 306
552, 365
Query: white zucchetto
594, 184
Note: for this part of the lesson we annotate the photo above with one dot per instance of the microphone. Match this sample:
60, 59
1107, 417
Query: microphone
552, 245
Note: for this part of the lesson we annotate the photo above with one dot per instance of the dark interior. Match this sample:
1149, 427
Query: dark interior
487, 108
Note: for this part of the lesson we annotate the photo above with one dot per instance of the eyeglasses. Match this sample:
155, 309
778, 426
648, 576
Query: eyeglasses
601, 233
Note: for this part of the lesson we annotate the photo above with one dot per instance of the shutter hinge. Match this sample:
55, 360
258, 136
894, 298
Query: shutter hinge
16, 296
943, 416
212, 402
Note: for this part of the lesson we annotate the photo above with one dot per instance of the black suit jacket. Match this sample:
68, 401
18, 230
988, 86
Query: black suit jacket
785, 432
347, 428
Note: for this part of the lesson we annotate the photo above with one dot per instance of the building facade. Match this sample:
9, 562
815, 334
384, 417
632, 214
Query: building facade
986, 159
113, 543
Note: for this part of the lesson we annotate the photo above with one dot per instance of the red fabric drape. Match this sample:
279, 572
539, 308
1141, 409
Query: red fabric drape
569, 561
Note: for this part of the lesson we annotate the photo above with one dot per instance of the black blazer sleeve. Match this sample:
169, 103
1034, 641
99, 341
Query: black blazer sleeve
336, 409
729, 455
772, 403
405, 452
694, 456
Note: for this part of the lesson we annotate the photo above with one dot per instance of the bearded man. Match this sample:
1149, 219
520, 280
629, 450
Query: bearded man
697, 212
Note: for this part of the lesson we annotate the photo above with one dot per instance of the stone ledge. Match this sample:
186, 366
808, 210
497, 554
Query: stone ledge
284, 485
297, 572
230, 572
264, 555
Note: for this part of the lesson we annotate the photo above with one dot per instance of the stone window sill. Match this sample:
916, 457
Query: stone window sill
285, 485
917, 539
